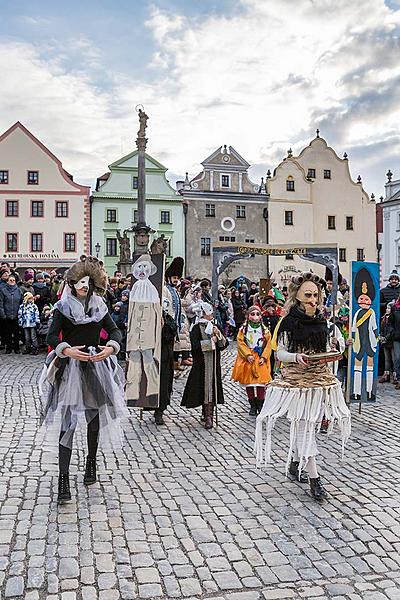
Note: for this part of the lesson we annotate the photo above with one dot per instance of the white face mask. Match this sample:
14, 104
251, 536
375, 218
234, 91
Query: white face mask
84, 282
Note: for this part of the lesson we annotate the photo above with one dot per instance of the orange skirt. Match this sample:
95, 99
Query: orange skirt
251, 373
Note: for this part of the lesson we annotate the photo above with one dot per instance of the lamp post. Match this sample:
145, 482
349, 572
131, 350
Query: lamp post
97, 248
141, 230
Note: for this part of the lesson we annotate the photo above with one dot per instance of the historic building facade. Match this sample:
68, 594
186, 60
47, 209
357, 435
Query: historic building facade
45, 214
222, 204
390, 236
313, 200
114, 207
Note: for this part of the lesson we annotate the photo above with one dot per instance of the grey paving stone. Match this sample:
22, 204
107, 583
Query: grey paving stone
15, 587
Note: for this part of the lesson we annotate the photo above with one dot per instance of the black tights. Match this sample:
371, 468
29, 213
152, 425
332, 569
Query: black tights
93, 426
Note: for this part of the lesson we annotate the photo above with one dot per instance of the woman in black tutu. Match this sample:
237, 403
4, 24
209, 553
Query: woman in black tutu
84, 377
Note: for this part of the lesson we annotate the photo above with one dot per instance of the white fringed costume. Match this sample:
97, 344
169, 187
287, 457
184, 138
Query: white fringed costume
304, 395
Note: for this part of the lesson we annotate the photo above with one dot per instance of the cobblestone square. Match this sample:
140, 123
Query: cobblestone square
181, 512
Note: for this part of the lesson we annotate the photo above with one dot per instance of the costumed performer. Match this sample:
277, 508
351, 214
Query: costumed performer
252, 366
306, 390
204, 384
168, 336
84, 377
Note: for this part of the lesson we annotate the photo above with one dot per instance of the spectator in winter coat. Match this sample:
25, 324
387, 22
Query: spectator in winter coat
28, 319
394, 323
27, 285
42, 292
10, 299
44, 326
391, 292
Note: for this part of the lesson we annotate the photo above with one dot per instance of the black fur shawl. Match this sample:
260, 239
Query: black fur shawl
304, 333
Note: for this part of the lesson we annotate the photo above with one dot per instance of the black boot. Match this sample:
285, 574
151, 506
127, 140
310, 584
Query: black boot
253, 408
317, 489
259, 405
90, 472
294, 472
158, 416
64, 492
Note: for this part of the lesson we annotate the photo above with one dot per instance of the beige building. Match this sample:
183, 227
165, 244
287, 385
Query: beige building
46, 216
313, 199
222, 204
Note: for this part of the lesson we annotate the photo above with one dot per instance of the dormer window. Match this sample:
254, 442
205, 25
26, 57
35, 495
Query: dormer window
4, 177
327, 174
225, 181
290, 184
33, 178
311, 173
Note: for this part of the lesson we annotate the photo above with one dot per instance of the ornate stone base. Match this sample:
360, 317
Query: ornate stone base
125, 267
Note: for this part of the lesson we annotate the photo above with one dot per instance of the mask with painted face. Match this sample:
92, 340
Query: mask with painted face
82, 283
308, 297
255, 316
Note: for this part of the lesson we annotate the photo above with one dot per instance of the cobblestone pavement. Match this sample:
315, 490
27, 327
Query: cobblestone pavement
182, 512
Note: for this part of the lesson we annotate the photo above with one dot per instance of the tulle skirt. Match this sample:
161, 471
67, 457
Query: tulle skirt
74, 390
305, 409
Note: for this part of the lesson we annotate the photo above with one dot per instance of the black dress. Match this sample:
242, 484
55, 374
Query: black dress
195, 390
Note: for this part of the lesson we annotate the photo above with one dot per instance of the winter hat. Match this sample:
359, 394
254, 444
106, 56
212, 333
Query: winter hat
31, 272
4, 270
27, 296
125, 293
394, 275
28, 276
119, 304
39, 276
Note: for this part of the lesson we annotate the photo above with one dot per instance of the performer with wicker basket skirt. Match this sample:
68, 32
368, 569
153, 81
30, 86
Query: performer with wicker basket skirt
307, 388
83, 376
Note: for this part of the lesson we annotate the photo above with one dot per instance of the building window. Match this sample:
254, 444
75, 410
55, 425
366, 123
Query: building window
165, 216
288, 217
135, 182
225, 181
311, 173
210, 210
135, 215
349, 223
205, 246
331, 222
289, 257
36, 242
12, 242
240, 211
33, 178
398, 255
327, 173
360, 253
227, 238
249, 241
61, 209
111, 215
342, 255
11, 208
290, 184
69, 242
111, 247
4, 177
37, 208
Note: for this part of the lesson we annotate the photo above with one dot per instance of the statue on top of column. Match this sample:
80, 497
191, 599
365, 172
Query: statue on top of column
143, 118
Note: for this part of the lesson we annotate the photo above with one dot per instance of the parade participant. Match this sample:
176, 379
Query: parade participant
252, 366
271, 320
83, 376
173, 274
204, 384
28, 319
168, 336
306, 389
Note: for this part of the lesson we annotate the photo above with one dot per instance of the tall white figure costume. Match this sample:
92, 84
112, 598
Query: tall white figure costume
144, 332
307, 389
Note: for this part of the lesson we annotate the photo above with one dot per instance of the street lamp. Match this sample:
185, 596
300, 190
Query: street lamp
97, 248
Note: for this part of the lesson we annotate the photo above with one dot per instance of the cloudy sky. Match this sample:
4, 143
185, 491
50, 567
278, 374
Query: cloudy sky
259, 75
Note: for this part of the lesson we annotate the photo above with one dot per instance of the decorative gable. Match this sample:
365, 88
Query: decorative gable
225, 159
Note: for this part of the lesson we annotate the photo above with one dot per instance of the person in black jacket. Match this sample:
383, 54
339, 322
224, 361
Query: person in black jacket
391, 292
41, 292
84, 376
394, 324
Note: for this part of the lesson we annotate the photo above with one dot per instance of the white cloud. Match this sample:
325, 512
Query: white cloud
261, 79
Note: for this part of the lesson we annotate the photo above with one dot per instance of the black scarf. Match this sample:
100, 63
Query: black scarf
304, 333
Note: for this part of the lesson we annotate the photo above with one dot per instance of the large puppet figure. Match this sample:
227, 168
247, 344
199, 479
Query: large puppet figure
307, 388
252, 366
365, 330
143, 344
83, 376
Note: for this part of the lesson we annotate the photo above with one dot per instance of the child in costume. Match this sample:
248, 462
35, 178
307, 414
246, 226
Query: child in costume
252, 366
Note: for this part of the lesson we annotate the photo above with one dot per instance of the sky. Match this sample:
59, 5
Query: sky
259, 75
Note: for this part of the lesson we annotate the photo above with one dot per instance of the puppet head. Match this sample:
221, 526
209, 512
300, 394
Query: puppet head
174, 271
254, 314
143, 267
